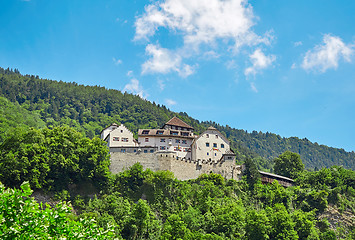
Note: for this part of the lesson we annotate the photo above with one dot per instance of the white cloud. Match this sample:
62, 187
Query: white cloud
129, 73
198, 23
170, 102
164, 61
116, 61
253, 87
231, 64
296, 44
260, 61
135, 88
293, 66
161, 85
327, 55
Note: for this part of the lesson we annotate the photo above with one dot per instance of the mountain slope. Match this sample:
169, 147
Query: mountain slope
91, 108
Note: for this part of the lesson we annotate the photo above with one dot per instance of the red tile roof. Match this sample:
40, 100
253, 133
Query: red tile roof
177, 122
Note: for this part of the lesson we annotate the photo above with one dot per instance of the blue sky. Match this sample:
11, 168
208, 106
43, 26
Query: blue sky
287, 67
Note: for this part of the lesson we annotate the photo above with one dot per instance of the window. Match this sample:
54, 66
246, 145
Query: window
177, 149
215, 154
208, 154
145, 132
222, 145
121, 131
207, 144
216, 136
145, 151
174, 133
207, 135
135, 150
177, 140
184, 134
214, 145
124, 139
162, 140
115, 138
151, 150
184, 142
160, 132
162, 148
123, 150
146, 139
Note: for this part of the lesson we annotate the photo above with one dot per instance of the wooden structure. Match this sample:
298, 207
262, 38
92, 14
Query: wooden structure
267, 178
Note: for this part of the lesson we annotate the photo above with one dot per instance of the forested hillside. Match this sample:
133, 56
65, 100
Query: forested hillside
36, 102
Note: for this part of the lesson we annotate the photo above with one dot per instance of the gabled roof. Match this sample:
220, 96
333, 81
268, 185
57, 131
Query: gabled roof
177, 122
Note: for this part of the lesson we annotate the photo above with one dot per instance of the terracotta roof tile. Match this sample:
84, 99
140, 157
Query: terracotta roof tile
177, 122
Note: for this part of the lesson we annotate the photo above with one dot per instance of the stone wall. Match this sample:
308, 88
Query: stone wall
182, 168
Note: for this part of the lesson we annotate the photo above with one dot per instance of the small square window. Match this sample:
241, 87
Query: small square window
207, 144
116, 139
124, 139
207, 135
123, 150
146, 139
121, 131
177, 141
184, 142
162, 147
214, 145
162, 140
215, 154
151, 150
145, 132
145, 151
216, 136
208, 154
222, 145
135, 150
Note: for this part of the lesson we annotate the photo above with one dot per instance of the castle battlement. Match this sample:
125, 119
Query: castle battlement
174, 147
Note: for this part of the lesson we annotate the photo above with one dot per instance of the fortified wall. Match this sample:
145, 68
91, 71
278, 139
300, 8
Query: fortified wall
182, 168
173, 147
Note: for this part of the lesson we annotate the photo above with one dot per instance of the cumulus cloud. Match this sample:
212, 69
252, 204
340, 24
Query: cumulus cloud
198, 23
260, 61
327, 55
163, 60
135, 88
170, 102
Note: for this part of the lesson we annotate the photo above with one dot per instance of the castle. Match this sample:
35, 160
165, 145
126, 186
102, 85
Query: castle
173, 147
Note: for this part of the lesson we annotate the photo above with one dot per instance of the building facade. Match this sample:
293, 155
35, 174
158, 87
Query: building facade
173, 147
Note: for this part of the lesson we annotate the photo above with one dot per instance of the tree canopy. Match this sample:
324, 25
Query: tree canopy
288, 164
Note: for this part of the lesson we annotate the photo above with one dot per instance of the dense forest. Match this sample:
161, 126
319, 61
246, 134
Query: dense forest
27, 100
81, 199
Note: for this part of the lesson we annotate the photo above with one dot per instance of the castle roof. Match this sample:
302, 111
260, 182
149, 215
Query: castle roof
211, 128
177, 122
229, 152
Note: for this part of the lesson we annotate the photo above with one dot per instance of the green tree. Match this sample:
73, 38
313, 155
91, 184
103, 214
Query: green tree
21, 217
52, 159
288, 164
251, 172
257, 225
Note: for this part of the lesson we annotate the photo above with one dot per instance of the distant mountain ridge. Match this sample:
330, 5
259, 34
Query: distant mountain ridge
89, 109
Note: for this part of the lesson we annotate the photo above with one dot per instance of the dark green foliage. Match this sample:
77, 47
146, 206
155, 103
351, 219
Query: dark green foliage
288, 164
52, 159
89, 109
251, 173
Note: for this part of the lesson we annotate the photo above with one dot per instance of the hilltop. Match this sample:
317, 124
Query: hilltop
42, 102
